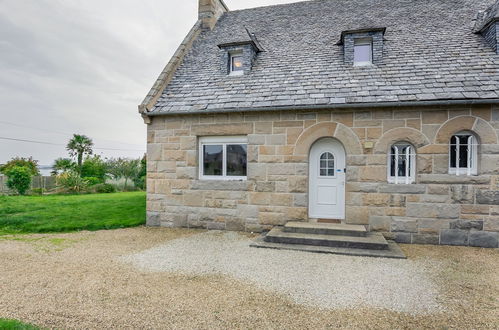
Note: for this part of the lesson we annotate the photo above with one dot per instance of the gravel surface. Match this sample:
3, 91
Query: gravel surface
319, 280
79, 281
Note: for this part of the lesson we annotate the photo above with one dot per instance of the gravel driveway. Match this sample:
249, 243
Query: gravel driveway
156, 278
317, 280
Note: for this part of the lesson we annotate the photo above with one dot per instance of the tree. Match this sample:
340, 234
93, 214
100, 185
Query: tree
29, 163
140, 180
19, 179
78, 146
94, 167
123, 168
62, 165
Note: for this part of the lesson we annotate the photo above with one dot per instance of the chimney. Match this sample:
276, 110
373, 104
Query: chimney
210, 11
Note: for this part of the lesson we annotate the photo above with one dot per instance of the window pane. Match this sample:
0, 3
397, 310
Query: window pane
461, 151
400, 163
212, 160
237, 63
236, 160
463, 156
392, 162
362, 52
326, 166
453, 153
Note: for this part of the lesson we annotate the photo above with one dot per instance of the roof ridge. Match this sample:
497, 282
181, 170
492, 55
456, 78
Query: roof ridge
277, 5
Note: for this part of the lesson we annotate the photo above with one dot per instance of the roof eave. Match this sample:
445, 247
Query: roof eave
485, 26
494, 101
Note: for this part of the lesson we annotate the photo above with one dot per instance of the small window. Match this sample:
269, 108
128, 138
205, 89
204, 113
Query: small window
363, 52
401, 165
326, 164
236, 64
463, 154
223, 158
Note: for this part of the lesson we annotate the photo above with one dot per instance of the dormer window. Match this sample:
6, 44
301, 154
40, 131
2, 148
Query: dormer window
236, 63
237, 58
363, 52
362, 47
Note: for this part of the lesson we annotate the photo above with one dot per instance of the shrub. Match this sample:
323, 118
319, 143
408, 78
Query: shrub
72, 182
29, 163
104, 188
94, 167
19, 179
92, 181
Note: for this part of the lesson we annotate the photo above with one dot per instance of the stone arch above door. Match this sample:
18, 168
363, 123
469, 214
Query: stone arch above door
480, 127
411, 135
339, 131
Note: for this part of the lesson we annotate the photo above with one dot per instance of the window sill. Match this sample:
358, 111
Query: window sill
463, 172
236, 74
401, 180
453, 179
363, 64
229, 185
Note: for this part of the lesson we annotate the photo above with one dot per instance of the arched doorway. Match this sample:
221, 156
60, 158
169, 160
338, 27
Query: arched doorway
327, 166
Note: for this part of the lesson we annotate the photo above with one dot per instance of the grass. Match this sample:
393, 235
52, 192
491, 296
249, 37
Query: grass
63, 213
15, 325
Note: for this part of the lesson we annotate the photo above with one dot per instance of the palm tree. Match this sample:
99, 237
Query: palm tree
62, 165
78, 146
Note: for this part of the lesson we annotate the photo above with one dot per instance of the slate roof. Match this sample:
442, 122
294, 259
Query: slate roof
430, 53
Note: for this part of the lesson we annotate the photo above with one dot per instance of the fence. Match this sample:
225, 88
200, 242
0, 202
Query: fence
43, 182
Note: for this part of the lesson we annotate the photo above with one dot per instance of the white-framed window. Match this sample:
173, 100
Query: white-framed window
363, 52
402, 163
463, 154
236, 64
223, 158
326, 165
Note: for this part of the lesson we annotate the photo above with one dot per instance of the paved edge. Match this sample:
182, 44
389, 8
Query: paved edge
393, 252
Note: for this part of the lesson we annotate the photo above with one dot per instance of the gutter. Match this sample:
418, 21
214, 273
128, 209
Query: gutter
334, 106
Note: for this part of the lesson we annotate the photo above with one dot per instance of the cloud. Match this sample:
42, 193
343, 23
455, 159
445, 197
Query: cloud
84, 66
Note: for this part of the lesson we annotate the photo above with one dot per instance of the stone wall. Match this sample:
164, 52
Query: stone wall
438, 209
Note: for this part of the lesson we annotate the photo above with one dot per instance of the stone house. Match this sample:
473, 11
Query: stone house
368, 112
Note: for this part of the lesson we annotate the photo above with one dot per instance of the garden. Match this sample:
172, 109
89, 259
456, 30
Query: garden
81, 172
91, 193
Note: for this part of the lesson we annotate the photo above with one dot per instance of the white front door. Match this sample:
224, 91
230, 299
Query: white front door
327, 180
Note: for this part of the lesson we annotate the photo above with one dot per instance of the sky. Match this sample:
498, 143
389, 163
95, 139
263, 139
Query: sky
73, 66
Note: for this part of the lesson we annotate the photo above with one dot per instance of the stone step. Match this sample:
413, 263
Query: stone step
325, 229
393, 250
373, 241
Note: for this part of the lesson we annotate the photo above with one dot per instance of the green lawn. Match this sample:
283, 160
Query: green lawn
15, 325
65, 213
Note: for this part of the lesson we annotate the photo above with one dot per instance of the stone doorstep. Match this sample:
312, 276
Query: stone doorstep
374, 241
393, 250
325, 229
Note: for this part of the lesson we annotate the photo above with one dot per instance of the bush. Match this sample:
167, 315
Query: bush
104, 188
72, 182
29, 163
19, 179
92, 181
94, 167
